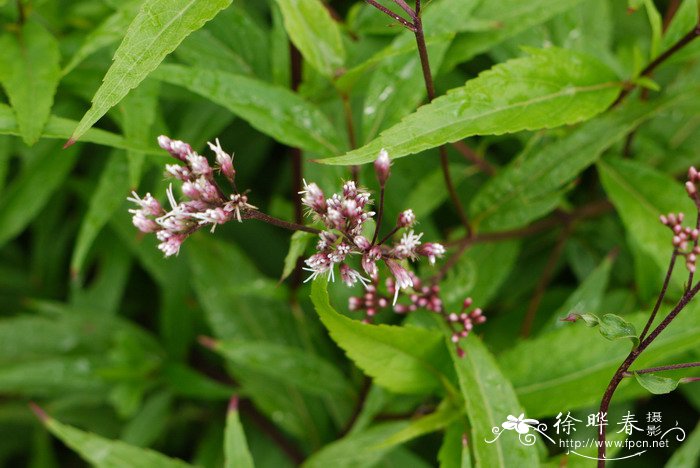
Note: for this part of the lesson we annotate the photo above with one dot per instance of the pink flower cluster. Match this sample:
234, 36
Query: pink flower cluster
421, 297
207, 203
682, 236
685, 239
344, 216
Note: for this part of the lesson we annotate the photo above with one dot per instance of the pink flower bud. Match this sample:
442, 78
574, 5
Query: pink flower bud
692, 174
177, 149
362, 243
690, 188
143, 223
382, 167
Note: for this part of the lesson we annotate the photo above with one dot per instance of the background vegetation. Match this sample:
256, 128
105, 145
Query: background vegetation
574, 148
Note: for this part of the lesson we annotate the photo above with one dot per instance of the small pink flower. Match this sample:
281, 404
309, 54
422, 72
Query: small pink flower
401, 275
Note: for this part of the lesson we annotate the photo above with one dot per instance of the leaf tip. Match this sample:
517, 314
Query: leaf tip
39, 412
207, 342
71, 141
233, 404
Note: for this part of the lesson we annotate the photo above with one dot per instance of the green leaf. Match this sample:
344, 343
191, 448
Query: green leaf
60, 128
479, 273
288, 365
577, 374
549, 88
401, 359
489, 398
314, 33
139, 110
29, 72
640, 195
688, 454
439, 419
297, 246
359, 449
104, 453
273, 110
614, 327
157, 30
684, 20
105, 34
53, 377
236, 453
387, 98
655, 384
655, 22
508, 18
30, 192
150, 422
203, 50
454, 452
110, 193
189, 383
587, 297
523, 190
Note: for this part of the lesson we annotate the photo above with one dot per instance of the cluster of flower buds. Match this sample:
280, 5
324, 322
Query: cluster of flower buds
691, 185
684, 239
344, 216
207, 203
421, 297
463, 323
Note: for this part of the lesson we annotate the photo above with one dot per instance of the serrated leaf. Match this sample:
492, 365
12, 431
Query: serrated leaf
548, 88
489, 398
157, 30
297, 246
273, 110
655, 384
396, 86
106, 453
314, 33
523, 190
29, 73
401, 359
236, 452
286, 365
105, 34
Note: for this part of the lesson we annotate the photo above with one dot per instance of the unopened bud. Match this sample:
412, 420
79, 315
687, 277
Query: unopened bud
381, 167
